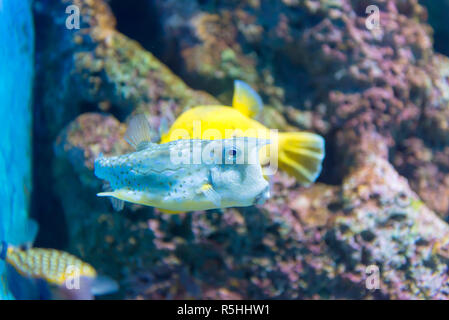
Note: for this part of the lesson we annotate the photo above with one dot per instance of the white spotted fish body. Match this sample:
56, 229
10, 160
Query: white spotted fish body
185, 175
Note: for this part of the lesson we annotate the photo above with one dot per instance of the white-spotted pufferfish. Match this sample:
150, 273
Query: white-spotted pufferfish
184, 175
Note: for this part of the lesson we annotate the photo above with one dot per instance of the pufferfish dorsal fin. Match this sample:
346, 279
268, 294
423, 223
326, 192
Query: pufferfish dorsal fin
138, 133
246, 99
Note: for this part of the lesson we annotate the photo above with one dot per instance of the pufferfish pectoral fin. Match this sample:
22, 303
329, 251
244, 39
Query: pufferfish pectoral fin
138, 133
117, 204
211, 194
246, 99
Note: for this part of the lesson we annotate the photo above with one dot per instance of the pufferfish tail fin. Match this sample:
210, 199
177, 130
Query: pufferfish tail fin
301, 155
246, 99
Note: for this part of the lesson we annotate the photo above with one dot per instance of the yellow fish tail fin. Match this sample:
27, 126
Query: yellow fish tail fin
246, 99
301, 155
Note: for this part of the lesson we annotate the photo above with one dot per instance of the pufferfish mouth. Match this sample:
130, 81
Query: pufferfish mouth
263, 196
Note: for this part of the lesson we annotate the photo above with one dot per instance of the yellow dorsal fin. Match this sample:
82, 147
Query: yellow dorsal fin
246, 100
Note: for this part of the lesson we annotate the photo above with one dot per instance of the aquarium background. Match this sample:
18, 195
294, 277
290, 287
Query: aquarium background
374, 225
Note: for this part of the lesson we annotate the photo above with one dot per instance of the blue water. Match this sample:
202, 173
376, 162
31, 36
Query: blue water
16, 72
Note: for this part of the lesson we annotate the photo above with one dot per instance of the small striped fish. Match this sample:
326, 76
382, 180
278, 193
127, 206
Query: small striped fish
52, 265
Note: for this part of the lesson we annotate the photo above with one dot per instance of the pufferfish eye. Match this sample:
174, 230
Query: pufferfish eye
231, 154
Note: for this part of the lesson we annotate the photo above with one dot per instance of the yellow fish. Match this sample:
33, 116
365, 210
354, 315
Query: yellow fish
57, 268
300, 154
52, 265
